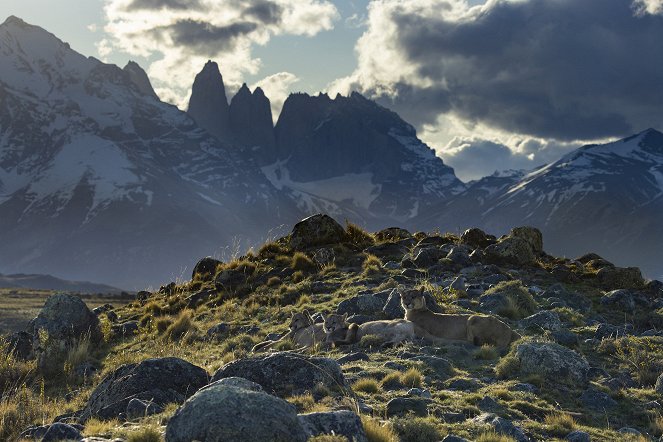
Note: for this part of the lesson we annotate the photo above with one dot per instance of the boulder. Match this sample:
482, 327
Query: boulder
230, 279
316, 230
502, 426
620, 278
403, 405
64, 321
428, 256
531, 235
19, 345
128, 328
552, 361
597, 400
659, 385
392, 234
285, 374
510, 250
340, 423
366, 304
160, 381
205, 269
476, 238
388, 251
58, 432
578, 436
622, 299
223, 412
137, 408
442, 367
543, 320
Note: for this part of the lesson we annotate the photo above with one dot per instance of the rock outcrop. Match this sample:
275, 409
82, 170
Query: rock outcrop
208, 104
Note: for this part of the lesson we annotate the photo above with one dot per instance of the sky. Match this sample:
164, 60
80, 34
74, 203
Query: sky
489, 84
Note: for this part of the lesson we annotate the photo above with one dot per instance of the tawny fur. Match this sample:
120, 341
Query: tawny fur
449, 328
303, 332
339, 332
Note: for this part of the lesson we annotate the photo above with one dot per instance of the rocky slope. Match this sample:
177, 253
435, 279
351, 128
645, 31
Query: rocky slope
100, 180
608, 198
588, 366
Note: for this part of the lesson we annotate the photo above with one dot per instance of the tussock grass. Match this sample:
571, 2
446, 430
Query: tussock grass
560, 424
366, 385
392, 381
412, 378
486, 353
24, 408
377, 432
328, 438
13, 372
508, 366
417, 429
372, 265
145, 434
301, 262
357, 236
519, 301
491, 436
101, 428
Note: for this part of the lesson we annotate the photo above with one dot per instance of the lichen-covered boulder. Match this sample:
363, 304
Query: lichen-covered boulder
544, 320
340, 423
512, 250
160, 381
659, 385
531, 235
225, 412
205, 269
316, 230
613, 278
476, 238
285, 374
553, 362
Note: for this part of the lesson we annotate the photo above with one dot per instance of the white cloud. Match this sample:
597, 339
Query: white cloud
181, 35
277, 89
649, 6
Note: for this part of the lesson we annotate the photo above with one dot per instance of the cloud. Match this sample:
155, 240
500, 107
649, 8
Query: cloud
473, 157
277, 89
179, 36
552, 69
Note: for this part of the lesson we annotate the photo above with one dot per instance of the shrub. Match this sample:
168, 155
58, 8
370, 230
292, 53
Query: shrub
366, 385
274, 281
560, 424
486, 352
641, 356
182, 325
377, 432
519, 301
298, 276
358, 236
412, 378
417, 429
372, 265
162, 325
301, 262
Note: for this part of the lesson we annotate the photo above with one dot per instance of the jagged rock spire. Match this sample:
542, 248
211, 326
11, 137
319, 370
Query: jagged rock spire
208, 104
139, 77
251, 122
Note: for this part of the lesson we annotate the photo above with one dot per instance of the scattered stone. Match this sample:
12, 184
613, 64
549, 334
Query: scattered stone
388, 251
578, 436
161, 381
286, 374
223, 413
316, 230
442, 367
452, 418
597, 400
324, 256
419, 392
525, 387
544, 320
630, 431
502, 426
488, 404
340, 423
353, 357
565, 337
137, 409
428, 256
620, 278
402, 405
205, 269
606, 330
552, 361
35, 432
61, 432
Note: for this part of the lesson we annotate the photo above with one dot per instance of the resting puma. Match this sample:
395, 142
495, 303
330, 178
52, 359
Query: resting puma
338, 331
303, 332
446, 328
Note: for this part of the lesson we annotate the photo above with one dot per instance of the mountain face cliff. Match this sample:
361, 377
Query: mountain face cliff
99, 180
606, 198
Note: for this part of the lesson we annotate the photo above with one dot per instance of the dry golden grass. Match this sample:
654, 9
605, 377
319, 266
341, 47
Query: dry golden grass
378, 432
366, 385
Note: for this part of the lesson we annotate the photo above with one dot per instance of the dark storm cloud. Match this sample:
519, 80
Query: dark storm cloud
163, 4
563, 69
264, 11
201, 35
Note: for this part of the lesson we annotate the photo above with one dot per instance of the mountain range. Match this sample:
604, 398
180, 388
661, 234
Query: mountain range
100, 180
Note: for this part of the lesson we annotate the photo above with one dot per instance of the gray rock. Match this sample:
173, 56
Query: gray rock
659, 384
460, 256
402, 405
61, 432
316, 230
620, 278
285, 374
20, 346
531, 235
629, 431
428, 256
502, 426
388, 251
442, 367
237, 382
419, 392
458, 284
225, 413
33, 432
340, 423
510, 250
368, 304
137, 408
578, 436
525, 387
217, 331
62, 323
488, 404
353, 357
605, 330
622, 299
161, 381
128, 328
464, 384
597, 400
565, 337
454, 438
231, 279
544, 320
476, 238
205, 269
392, 234
553, 362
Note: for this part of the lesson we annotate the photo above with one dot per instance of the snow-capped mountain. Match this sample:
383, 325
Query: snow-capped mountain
99, 180
604, 198
346, 156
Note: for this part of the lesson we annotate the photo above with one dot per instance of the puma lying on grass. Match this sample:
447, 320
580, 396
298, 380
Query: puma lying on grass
339, 332
303, 333
448, 328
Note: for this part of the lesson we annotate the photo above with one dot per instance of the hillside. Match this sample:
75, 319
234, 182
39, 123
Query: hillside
586, 364
48, 282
